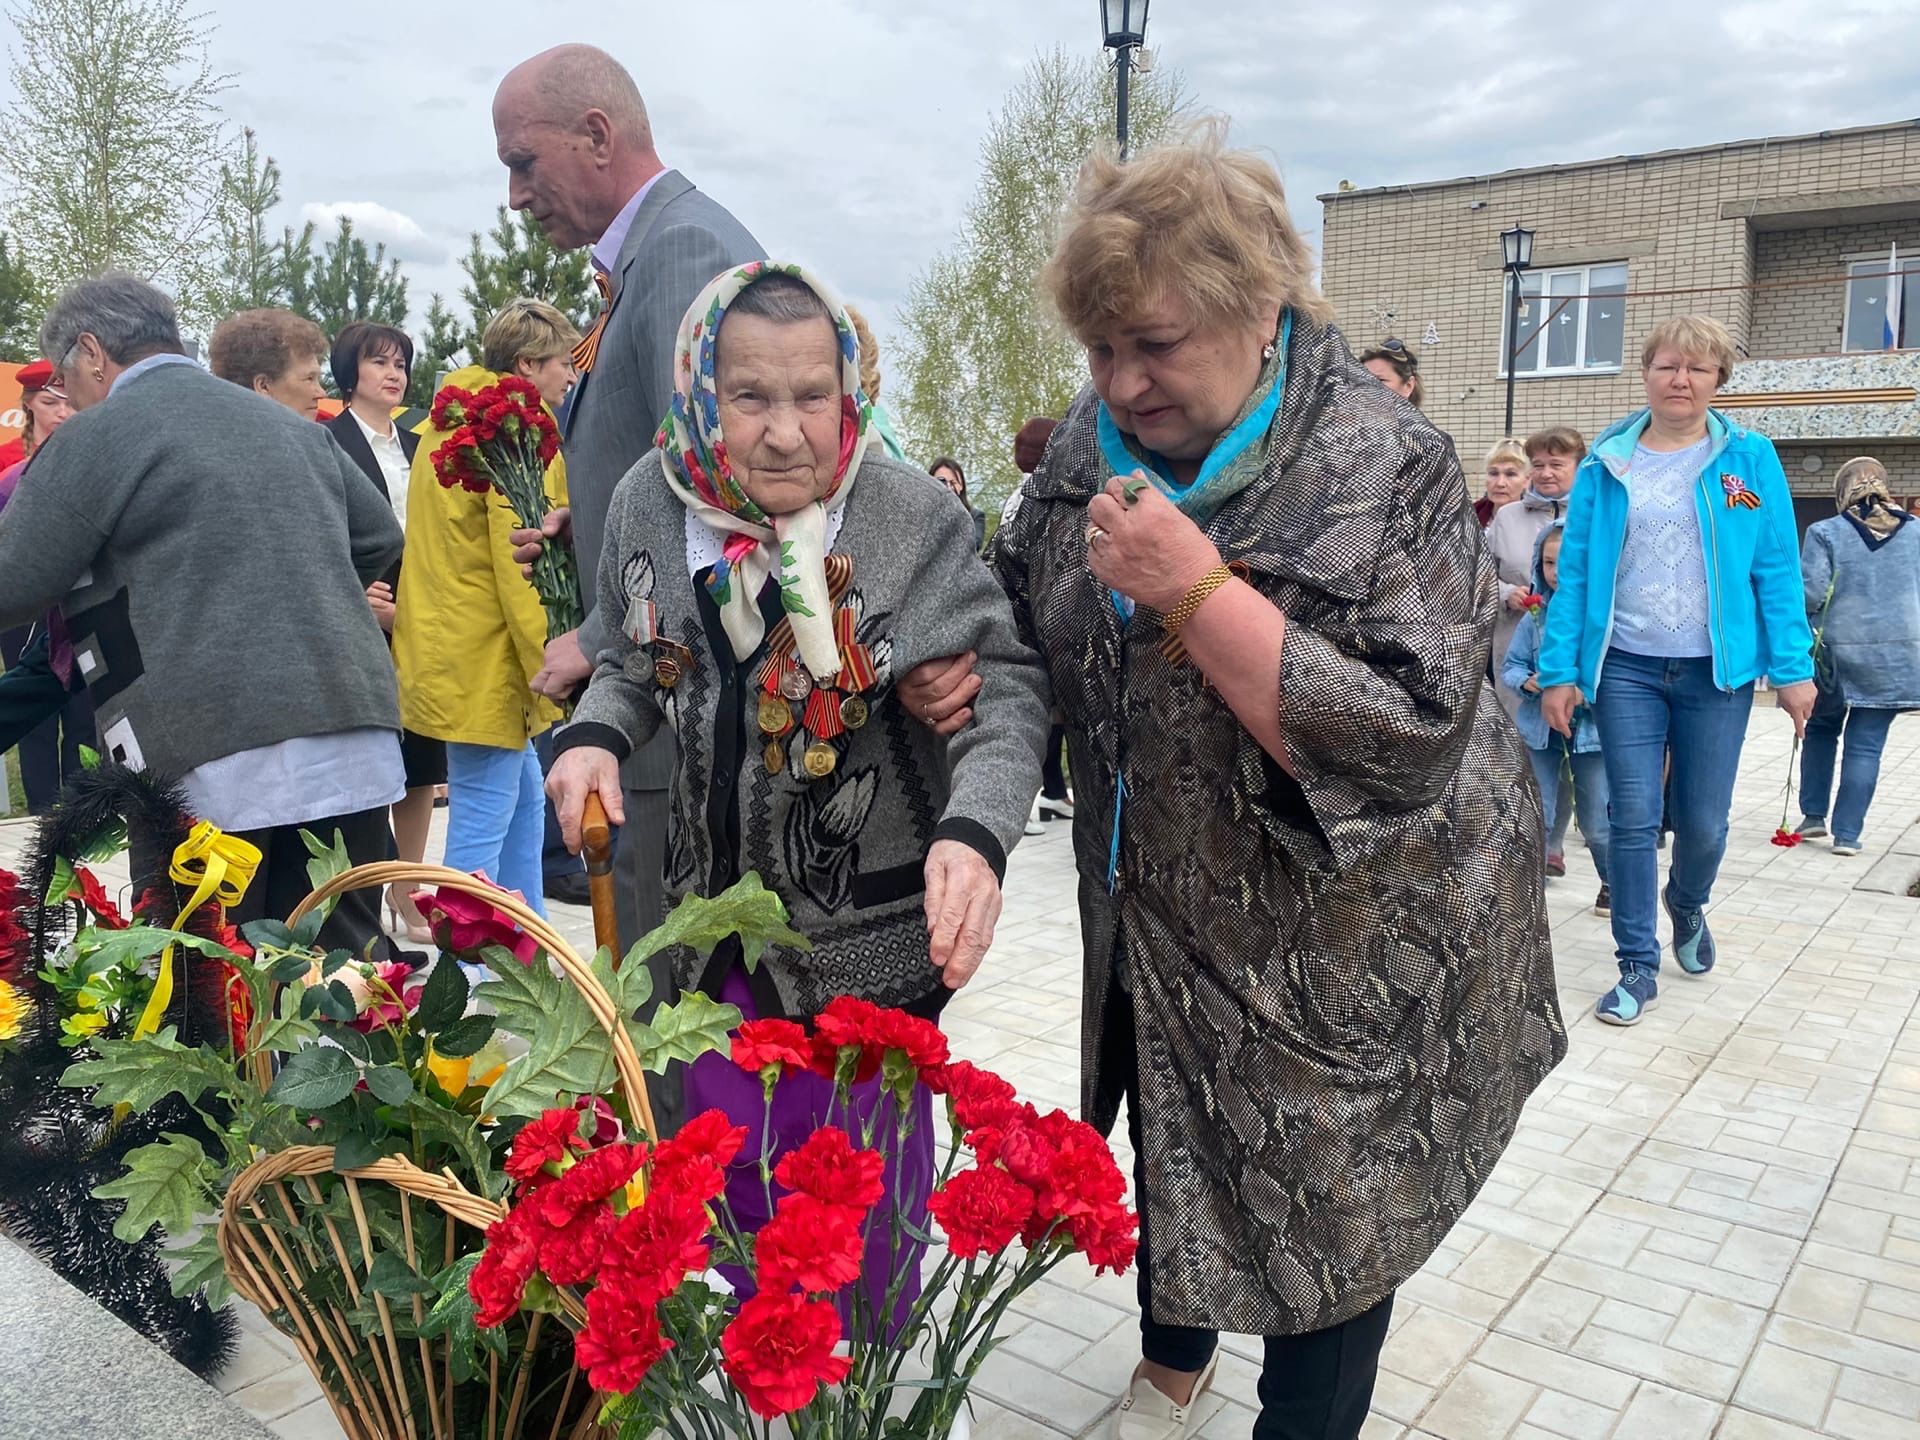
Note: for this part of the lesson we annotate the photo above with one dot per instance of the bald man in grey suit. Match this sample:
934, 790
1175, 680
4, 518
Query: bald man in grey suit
572, 131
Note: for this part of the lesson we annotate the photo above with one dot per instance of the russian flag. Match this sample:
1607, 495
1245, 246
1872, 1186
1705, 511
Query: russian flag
1890, 333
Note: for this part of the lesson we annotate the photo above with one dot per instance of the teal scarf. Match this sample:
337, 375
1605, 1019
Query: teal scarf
1237, 458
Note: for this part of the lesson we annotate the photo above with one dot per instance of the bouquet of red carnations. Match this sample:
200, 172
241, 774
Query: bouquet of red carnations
502, 438
650, 1233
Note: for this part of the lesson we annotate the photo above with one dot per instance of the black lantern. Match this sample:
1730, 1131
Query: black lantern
1516, 255
1125, 22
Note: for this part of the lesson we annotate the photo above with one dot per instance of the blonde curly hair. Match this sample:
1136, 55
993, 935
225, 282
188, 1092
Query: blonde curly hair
869, 354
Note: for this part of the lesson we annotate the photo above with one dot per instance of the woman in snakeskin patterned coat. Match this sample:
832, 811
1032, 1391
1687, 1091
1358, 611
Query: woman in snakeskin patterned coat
1313, 966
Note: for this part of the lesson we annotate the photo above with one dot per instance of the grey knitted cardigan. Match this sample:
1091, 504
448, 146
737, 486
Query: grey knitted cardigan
844, 852
210, 550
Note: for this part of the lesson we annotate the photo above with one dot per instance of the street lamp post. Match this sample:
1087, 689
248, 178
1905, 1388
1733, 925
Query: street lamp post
1516, 253
1125, 24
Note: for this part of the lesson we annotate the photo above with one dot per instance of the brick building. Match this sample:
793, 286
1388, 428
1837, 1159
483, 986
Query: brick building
1785, 239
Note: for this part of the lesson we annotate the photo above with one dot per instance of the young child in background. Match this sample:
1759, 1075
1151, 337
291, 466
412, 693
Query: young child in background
1551, 750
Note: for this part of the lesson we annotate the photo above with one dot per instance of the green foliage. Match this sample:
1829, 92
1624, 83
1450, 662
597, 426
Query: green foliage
437, 354
746, 908
166, 1185
568, 1054
515, 261
684, 1031
202, 1266
345, 282
452, 1316
980, 352
314, 1078
251, 267
20, 305
114, 141
141, 1073
444, 1000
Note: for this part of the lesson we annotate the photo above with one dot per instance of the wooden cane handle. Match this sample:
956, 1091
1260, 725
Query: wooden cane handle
596, 848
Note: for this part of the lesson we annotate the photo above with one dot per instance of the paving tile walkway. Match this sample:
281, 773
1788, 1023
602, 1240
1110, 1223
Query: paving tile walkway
1707, 1226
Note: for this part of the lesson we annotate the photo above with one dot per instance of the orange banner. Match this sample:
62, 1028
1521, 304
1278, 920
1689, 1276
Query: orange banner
12, 417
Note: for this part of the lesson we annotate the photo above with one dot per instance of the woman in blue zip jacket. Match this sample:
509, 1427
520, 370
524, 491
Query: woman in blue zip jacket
1679, 587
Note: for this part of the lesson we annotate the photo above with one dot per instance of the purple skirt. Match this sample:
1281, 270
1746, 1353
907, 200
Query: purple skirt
802, 1103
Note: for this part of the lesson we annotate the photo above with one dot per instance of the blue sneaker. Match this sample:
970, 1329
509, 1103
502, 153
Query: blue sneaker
1626, 1002
1692, 941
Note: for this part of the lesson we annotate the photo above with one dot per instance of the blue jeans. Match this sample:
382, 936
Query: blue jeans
1866, 736
495, 817
1589, 795
1646, 707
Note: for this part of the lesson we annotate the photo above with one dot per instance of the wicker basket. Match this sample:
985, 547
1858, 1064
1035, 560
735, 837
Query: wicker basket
390, 1387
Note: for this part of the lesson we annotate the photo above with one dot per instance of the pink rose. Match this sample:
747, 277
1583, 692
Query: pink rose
464, 925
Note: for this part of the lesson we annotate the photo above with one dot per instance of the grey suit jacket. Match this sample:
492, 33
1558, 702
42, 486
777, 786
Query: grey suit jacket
679, 241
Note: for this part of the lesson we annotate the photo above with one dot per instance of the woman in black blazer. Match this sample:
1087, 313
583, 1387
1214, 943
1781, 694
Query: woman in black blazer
371, 366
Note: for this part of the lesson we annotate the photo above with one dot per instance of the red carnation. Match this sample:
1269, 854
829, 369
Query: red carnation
584, 1187
807, 1244
761, 1045
654, 1248
695, 1161
543, 1142
829, 1169
978, 1097
500, 1279
921, 1039
570, 1254
622, 1339
1786, 839
779, 1352
1108, 1237
982, 1210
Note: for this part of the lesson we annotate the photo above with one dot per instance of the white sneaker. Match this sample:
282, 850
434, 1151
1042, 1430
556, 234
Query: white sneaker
1034, 827
1147, 1414
1054, 809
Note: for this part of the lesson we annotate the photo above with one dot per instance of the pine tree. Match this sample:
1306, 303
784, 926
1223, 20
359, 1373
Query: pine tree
345, 282
440, 350
20, 307
252, 270
979, 352
515, 261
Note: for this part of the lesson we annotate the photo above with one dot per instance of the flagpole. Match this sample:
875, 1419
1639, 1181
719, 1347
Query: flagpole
1890, 334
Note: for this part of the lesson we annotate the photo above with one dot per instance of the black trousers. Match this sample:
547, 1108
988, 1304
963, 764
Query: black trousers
1053, 774
30, 693
1317, 1386
49, 754
281, 882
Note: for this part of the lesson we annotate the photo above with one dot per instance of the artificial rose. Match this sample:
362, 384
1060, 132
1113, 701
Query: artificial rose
93, 895
762, 1045
500, 1279
832, 1171
653, 1248
982, 1210
550, 1140
694, 1162
606, 1126
385, 997
622, 1340
809, 1245
779, 1352
464, 925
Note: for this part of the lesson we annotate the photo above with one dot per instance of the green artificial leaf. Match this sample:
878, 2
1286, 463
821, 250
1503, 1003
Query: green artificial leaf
309, 1002
444, 1000
268, 935
390, 1084
746, 908
165, 1184
89, 758
392, 1277
289, 968
307, 930
351, 1041
436, 1125
119, 948
336, 1001
568, 1054
139, 1073
202, 1267
464, 1037
452, 1316
328, 861
684, 1030
315, 1078
385, 1049
64, 882
354, 1150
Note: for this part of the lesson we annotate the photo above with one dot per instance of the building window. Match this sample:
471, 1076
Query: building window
1583, 311
1866, 324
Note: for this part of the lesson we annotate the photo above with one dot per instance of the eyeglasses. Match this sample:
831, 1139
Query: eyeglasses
1395, 350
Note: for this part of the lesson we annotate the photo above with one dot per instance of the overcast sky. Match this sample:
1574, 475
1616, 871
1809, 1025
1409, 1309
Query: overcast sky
845, 132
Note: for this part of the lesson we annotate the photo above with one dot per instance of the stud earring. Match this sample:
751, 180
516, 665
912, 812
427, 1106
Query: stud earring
1266, 351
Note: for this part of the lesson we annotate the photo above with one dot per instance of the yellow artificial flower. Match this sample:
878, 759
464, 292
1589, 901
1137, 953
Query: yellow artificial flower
14, 1009
78, 1027
456, 1075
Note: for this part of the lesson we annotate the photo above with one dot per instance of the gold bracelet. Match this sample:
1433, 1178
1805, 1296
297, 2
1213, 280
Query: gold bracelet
1190, 603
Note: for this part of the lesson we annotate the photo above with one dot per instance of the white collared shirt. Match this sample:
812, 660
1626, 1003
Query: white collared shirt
392, 459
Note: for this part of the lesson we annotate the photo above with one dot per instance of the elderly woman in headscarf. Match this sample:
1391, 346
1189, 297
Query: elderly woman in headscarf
1862, 574
1314, 968
774, 575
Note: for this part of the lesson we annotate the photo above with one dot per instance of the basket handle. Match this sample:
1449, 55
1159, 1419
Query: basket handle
596, 848
632, 1078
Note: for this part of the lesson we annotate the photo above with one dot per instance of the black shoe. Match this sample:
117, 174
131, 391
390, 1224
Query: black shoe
570, 889
1603, 902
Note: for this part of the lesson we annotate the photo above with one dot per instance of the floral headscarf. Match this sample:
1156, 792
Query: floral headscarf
1860, 493
791, 546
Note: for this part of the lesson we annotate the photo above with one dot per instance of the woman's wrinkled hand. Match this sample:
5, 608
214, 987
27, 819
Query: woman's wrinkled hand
566, 666
963, 906
556, 524
577, 773
940, 693
1797, 700
1147, 550
1557, 704
380, 600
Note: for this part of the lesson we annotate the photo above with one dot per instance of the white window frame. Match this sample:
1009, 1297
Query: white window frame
1907, 341
1546, 274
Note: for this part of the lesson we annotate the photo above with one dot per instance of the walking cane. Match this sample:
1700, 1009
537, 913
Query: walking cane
596, 848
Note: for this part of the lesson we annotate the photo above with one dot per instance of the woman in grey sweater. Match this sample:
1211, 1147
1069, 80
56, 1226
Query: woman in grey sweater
1862, 573
769, 601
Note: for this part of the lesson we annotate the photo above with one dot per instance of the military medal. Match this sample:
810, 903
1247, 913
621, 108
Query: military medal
796, 684
776, 716
666, 670
853, 712
638, 667
819, 760
775, 756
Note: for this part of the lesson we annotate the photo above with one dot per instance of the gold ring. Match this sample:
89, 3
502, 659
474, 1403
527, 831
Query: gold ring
1095, 533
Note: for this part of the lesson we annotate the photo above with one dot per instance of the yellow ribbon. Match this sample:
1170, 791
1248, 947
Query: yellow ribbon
219, 867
